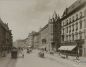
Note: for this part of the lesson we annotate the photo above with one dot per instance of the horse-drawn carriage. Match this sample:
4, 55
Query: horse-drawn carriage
14, 52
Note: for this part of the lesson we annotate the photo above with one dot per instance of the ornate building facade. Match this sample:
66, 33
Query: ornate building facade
73, 27
32, 39
5, 38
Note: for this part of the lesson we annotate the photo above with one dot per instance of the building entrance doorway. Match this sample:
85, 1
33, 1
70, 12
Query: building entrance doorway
43, 41
53, 46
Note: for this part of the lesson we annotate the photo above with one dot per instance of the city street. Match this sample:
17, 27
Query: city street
33, 60
42, 33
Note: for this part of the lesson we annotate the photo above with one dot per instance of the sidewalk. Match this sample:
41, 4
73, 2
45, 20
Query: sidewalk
69, 61
82, 60
4, 60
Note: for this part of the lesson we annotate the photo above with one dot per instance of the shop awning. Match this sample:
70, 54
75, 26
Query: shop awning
69, 48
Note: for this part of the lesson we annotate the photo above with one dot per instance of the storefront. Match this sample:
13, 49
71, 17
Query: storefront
72, 48
69, 50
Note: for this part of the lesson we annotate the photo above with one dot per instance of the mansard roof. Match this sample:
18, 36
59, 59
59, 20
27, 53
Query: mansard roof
77, 5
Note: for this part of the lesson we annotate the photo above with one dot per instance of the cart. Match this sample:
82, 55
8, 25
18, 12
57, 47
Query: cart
14, 53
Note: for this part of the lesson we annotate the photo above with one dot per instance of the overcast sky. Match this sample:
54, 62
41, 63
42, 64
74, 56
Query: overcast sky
24, 16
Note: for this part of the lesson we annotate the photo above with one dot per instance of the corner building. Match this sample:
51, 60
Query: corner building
73, 28
6, 38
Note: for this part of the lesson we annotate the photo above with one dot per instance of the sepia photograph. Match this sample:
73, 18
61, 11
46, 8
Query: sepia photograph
42, 33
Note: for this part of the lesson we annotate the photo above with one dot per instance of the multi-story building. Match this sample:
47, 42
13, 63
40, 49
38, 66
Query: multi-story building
45, 37
36, 39
9, 39
50, 34
73, 31
30, 39
5, 38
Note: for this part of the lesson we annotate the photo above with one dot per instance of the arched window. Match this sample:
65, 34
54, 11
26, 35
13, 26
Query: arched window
43, 41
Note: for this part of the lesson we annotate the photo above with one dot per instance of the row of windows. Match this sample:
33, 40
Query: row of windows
73, 19
74, 27
73, 37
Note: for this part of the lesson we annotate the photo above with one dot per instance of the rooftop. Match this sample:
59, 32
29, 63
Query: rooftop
77, 4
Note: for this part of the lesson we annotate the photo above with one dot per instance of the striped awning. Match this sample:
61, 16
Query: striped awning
68, 48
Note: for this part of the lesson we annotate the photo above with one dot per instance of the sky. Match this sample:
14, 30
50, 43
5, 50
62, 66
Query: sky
24, 16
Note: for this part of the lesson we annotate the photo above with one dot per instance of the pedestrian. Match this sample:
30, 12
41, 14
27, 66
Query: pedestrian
77, 57
22, 53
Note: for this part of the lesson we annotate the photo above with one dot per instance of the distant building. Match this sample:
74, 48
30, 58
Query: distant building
5, 38
20, 43
73, 31
36, 38
30, 39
